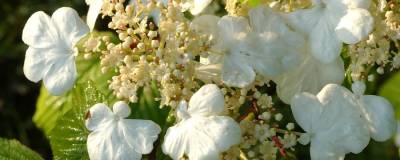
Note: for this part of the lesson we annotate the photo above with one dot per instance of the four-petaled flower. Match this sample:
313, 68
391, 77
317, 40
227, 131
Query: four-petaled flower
51, 53
338, 121
114, 137
201, 133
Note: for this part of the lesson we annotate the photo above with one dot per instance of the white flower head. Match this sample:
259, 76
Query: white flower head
330, 22
201, 134
51, 52
114, 137
339, 122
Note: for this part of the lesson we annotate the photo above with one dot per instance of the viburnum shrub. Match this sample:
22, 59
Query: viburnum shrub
207, 80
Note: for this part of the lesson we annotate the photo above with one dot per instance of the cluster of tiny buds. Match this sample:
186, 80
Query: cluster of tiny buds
263, 138
377, 51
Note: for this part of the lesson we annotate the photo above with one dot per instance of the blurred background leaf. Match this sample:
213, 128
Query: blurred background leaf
391, 91
12, 149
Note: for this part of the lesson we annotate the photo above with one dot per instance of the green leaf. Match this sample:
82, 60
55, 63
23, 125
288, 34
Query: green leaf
49, 108
148, 108
391, 91
13, 150
251, 3
68, 138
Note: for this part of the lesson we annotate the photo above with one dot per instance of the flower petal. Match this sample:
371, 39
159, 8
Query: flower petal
310, 76
233, 28
61, 73
208, 100
97, 115
336, 100
201, 138
304, 20
265, 20
94, 11
380, 115
264, 53
215, 134
354, 26
198, 6
325, 45
99, 145
306, 110
121, 109
275, 48
175, 141
224, 130
209, 73
206, 24
107, 144
35, 64
139, 134
349, 132
38, 31
322, 150
236, 71
69, 25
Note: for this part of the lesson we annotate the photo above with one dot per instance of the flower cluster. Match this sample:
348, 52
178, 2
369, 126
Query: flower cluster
219, 75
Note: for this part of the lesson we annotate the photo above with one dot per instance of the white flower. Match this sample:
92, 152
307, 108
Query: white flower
51, 52
339, 122
195, 6
201, 134
267, 48
114, 137
303, 72
94, 11
330, 22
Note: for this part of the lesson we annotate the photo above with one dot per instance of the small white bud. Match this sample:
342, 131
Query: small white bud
141, 45
152, 34
122, 36
266, 115
104, 70
87, 56
290, 126
251, 154
380, 70
371, 78
155, 43
278, 117
119, 7
106, 38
